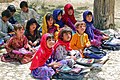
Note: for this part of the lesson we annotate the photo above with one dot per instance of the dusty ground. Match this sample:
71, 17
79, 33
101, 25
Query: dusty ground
109, 71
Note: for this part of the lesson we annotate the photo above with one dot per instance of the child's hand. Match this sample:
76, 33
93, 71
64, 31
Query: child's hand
105, 37
52, 63
81, 53
73, 57
88, 45
35, 43
56, 65
80, 50
30, 42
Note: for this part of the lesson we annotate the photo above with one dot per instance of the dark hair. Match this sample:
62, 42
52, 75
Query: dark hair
61, 12
11, 8
30, 22
6, 13
48, 16
18, 26
50, 36
89, 13
64, 30
71, 8
23, 4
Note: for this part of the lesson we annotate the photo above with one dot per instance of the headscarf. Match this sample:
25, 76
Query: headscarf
66, 16
89, 25
44, 25
42, 54
56, 12
60, 41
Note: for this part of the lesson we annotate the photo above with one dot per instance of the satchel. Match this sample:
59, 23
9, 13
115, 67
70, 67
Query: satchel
94, 52
111, 44
67, 73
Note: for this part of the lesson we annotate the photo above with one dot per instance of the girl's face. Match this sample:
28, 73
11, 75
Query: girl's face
59, 16
70, 12
50, 22
81, 28
33, 27
67, 36
24, 9
89, 18
50, 42
20, 32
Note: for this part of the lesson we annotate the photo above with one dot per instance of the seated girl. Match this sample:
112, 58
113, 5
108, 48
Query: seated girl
17, 47
95, 36
80, 39
57, 15
32, 33
42, 62
62, 47
68, 18
49, 26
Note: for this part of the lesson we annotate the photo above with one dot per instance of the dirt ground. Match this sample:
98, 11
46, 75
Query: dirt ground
109, 71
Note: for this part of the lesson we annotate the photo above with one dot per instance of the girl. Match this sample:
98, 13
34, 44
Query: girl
80, 39
68, 18
32, 33
49, 26
57, 15
41, 66
16, 47
62, 47
94, 34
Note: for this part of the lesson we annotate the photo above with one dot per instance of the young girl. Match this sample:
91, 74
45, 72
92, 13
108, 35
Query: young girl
16, 47
41, 66
62, 47
49, 26
80, 39
57, 15
94, 34
32, 33
68, 18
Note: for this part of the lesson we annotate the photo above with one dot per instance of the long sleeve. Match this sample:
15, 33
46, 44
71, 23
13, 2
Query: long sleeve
60, 53
2, 34
36, 16
10, 26
87, 40
71, 25
8, 45
25, 42
73, 43
96, 31
22, 18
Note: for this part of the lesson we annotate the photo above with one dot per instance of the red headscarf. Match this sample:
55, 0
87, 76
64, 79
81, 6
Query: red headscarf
65, 17
42, 54
61, 42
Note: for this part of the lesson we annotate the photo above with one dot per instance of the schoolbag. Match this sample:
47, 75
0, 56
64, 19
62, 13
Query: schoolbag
67, 73
111, 44
94, 52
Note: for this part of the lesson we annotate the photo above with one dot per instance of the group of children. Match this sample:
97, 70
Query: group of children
61, 33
